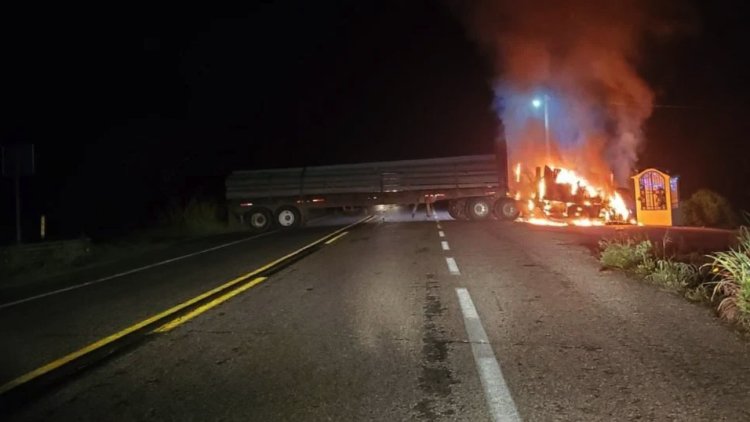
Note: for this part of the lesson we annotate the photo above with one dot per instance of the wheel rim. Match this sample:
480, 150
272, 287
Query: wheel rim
481, 209
258, 220
286, 218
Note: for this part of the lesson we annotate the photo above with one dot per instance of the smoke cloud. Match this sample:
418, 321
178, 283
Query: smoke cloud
579, 57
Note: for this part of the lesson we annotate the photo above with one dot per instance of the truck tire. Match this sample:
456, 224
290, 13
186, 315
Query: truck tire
506, 209
259, 219
479, 208
457, 209
287, 217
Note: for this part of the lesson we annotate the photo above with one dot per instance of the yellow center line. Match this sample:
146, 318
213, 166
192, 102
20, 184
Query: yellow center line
57, 363
203, 308
333, 239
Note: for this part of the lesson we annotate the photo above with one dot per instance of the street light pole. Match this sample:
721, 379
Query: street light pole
546, 127
544, 103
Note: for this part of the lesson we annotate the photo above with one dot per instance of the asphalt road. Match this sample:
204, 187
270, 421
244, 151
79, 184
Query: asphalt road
381, 325
40, 330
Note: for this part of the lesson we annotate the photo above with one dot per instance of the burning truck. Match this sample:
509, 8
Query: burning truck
473, 187
559, 196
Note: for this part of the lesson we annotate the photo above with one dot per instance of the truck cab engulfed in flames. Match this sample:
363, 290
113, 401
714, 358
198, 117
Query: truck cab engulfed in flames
560, 196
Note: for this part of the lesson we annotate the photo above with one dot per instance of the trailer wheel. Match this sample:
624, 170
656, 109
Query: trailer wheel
506, 209
479, 208
259, 219
457, 209
288, 217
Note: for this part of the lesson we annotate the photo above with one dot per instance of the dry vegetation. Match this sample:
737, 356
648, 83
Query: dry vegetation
722, 279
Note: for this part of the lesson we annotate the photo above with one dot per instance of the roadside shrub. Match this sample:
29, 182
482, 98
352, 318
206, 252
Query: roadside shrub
724, 279
646, 267
732, 271
700, 293
43, 258
640, 258
708, 208
674, 275
194, 217
626, 253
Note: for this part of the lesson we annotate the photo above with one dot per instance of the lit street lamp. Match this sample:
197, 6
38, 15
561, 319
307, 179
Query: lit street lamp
536, 103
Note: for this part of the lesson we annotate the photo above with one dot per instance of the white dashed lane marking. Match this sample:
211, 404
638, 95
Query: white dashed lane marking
441, 233
452, 266
499, 400
445, 246
124, 273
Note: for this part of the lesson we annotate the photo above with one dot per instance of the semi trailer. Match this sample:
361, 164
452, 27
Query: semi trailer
475, 188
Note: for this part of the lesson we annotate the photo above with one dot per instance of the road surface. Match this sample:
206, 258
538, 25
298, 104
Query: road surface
398, 319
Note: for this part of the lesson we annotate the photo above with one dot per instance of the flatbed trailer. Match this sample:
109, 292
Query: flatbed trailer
475, 188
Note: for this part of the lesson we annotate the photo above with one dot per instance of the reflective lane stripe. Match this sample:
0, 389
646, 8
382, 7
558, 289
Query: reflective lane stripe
452, 266
441, 233
203, 308
499, 400
106, 341
333, 239
445, 246
124, 273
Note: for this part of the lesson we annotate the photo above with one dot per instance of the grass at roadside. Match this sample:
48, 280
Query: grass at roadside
194, 218
625, 253
731, 270
180, 222
720, 279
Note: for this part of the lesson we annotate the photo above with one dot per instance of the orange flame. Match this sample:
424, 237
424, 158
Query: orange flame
545, 222
575, 181
587, 222
542, 188
597, 203
619, 208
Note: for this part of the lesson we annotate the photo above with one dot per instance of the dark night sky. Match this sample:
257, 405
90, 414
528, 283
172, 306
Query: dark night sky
131, 107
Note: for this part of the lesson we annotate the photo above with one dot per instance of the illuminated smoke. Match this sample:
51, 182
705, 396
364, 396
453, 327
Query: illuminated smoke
582, 54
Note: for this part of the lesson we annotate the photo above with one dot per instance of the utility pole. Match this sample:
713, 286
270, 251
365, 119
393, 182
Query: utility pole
17, 161
17, 188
